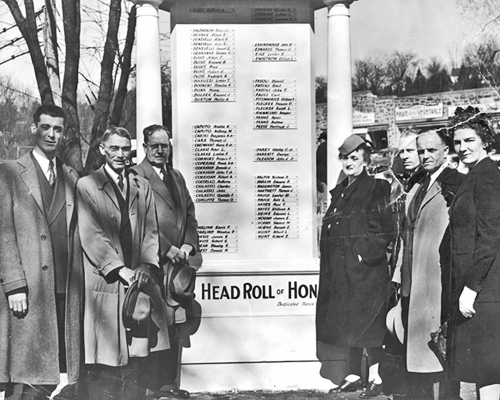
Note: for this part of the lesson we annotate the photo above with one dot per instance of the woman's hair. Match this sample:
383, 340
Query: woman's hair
472, 118
367, 151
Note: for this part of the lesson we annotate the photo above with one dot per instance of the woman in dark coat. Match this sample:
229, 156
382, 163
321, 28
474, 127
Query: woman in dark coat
354, 277
474, 352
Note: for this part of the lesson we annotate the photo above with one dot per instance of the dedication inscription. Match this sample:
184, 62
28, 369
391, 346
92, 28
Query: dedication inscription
274, 103
277, 207
214, 163
213, 65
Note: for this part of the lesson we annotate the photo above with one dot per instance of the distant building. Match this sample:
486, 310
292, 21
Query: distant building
384, 117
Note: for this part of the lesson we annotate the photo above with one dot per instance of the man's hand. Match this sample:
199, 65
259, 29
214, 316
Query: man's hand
18, 303
176, 255
466, 302
127, 275
187, 249
142, 275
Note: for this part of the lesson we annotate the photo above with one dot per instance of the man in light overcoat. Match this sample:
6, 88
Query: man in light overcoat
426, 222
41, 271
120, 242
178, 239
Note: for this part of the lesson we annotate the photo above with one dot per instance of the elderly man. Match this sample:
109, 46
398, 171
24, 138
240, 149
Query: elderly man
41, 271
178, 239
426, 220
119, 237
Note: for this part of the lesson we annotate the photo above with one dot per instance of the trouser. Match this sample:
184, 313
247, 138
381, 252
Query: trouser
355, 356
166, 362
128, 382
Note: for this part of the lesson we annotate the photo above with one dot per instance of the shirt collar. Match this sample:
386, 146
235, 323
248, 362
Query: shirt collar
112, 173
436, 173
44, 162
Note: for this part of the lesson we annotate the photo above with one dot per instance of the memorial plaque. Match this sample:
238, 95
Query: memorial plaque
274, 52
274, 14
213, 65
276, 154
277, 207
274, 104
214, 160
218, 238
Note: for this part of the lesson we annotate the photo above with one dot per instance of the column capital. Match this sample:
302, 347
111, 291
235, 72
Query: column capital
154, 3
331, 3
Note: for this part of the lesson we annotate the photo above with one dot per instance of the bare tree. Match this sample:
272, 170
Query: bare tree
401, 65
370, 73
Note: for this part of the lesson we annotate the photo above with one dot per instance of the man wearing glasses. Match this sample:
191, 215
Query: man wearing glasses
178, 239
119, 238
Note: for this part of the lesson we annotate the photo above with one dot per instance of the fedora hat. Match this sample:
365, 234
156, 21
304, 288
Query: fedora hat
350, 144
137, 307
180, 285
394, 322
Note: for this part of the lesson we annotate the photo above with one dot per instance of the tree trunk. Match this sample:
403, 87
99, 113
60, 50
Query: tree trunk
125, 65
72, 150
28, 29
94, 159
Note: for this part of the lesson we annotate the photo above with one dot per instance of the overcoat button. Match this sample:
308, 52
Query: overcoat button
43, 237
1, 280
45, 268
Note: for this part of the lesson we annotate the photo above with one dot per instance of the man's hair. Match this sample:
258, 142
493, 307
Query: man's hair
50, 110
442, 134
115, 130
149, 130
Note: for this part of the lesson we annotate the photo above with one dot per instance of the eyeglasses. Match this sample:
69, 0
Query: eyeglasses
116, 149
158, 146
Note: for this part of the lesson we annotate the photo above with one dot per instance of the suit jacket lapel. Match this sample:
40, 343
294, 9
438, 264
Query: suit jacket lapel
105, 185
69, 193
432, 192
57, 200
29, 176
157, 184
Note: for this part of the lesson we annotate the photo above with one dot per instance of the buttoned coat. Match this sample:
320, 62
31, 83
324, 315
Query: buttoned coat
176, 228
29, 349
100, 218
353, 293
475, 246
422, 275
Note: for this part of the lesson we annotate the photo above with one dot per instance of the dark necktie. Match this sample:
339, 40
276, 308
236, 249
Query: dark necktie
120, 182
52, 175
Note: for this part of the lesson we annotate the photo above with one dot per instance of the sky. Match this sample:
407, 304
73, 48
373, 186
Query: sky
430, 28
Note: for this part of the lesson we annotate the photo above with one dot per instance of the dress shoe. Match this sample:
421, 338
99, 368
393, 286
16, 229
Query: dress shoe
346, 386
372, 390
174, 394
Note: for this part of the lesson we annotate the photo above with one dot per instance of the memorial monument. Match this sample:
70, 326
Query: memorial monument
244, 138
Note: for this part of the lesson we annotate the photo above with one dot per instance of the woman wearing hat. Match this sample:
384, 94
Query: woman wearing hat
474, 306
354, 277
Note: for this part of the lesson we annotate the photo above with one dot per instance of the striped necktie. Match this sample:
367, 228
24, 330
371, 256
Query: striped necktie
52, 175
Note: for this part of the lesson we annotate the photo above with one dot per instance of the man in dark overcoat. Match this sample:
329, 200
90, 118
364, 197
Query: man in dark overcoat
178, 239
41, 270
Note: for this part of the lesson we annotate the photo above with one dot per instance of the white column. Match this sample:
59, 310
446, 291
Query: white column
148, 102
339, 83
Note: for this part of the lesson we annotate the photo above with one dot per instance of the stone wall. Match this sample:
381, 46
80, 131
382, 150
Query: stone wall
382, 111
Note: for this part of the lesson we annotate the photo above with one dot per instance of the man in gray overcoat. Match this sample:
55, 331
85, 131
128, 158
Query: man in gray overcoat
41, 271
178, 239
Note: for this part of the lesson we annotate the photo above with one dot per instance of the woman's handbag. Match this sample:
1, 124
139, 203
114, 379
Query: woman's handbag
438, 343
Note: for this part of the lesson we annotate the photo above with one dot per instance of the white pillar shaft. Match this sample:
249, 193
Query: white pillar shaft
148, 103
339, 87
